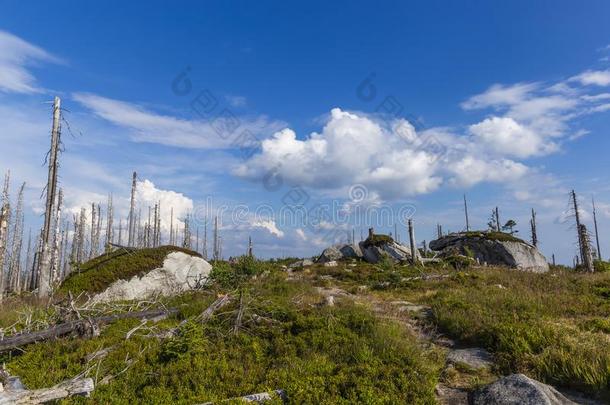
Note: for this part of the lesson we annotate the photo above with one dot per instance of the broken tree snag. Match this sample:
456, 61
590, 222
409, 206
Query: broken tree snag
44, 272
79, 326
216, 305
65, 389
240, 314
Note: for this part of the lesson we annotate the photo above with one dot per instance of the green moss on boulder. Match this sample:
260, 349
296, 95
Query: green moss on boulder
97, 274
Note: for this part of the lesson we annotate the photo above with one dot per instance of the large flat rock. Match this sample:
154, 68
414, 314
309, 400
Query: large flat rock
518, 389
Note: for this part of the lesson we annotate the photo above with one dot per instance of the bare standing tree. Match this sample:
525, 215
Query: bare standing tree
120, 242
466, 214
599, 254
132, 207
55, 270
28, 262
186, 243
171, 227
44, 284
109, 223
216, 253
5, 220
533, 228
205, 240
82, 227
14, 272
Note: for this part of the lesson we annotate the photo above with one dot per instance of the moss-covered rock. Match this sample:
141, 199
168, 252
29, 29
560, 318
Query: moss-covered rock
97, 274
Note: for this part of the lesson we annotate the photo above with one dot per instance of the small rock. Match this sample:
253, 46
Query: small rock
300, 263
330, 300
518, 389
500, 286
476, 358
450, 396
332, 263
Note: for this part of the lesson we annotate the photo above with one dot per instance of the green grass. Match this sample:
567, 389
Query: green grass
552, 327
97, 274
318, 355
493, 235
377, 240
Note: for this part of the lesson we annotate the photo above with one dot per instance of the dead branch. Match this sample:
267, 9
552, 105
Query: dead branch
14, 391
79, 326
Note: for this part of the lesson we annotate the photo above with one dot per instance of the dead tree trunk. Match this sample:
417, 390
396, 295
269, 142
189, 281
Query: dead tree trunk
498, 226
80, 243
171, 226
120, 242
15, 263
132, 208
205, 240
44, 284
79, 326
578, 228
250, 250
216, 244
533, 228
414, 255
109, 224
466, 214
80, 386
5, 220
28, 262
587, 256
56, 241
599, 254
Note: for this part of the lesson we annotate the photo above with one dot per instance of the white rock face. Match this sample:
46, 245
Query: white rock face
180, 272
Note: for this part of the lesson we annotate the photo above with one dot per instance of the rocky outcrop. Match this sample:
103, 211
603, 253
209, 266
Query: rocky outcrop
340, 252
180, 272
518, 389
373, 253
492, 248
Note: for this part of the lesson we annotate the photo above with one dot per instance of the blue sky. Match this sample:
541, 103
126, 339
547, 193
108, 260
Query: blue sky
506, 102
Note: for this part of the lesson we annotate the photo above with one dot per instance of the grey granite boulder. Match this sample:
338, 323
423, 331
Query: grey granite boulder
340, 252
374, 253
494, 248
518, 389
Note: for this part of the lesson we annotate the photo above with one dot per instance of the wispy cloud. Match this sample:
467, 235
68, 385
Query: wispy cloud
16, 55
593, 77
147, 126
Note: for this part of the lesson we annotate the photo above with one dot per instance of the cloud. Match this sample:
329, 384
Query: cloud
593, 77
469, 171
390, 159
147, 126
534, 119
147, 195
505, 136
270, 226
236, 101
15, 55
499, 95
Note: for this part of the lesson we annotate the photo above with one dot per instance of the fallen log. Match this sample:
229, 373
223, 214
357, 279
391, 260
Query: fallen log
81, 326
219, 303
260, 397
65, 389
